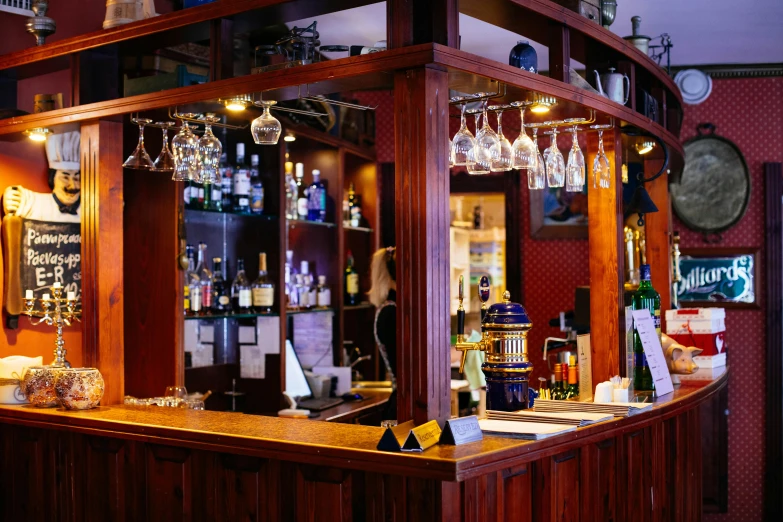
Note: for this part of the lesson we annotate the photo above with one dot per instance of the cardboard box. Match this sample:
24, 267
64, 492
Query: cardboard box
710, 343
710, 361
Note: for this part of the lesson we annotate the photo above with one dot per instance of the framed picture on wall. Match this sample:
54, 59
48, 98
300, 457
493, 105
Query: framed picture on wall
724, 277
558, 214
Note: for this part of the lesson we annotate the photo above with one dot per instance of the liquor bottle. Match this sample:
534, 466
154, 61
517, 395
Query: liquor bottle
324, 294
186, 282
316, 196
558, 391
205, 196
226, 184
645, 297
192, 285
291, 191
300, 291
292, 299
572, 392
263, 288
241, 299
201, 195
241, 197
301, 193
221, 303
354, 207
304, 286
187, 192
351, 282
206, 279
216, 196
256, 187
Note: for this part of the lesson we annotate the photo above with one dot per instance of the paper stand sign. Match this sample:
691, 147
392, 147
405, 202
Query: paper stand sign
461, 431
406, 437
585, 368
651, 343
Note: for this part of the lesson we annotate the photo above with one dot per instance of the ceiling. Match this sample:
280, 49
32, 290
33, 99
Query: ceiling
702, 31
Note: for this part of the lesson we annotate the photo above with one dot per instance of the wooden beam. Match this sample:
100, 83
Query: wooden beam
411, 22
605, 240
657, 231
221, 49
102, 254
422, 225
559, 52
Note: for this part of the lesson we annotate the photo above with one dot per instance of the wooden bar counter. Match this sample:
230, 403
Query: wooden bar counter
141, 463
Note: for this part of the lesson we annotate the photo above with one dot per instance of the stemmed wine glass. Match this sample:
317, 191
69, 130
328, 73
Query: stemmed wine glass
555, 164
463, 144
505, 157
165, 160
139, 159
480, 162
487, 142
575, 170
601, 168
184, 147
523, 149
266, 129
536, 175
209, 150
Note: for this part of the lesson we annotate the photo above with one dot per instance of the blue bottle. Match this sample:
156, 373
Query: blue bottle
524, 56
316, 199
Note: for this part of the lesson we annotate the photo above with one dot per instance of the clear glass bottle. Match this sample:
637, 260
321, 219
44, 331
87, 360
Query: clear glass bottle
186, 279
241, 185
205, 277
256, 187
300, 292
324, 294
291, 192
645, 297
216, 198
316, 197
301, 191
354, 207
263, 288
241, 299
351, 282
305, 289
226, 184
221, 303
289, 279
193, 288
187, 193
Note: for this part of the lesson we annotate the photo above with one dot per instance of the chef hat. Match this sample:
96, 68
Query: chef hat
62, 150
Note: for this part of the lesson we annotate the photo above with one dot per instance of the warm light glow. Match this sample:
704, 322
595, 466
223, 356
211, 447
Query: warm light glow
541, 104
38, 134
539, 109
237, 103
289, 137
645, 147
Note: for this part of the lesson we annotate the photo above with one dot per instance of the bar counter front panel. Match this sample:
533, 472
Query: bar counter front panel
128, 463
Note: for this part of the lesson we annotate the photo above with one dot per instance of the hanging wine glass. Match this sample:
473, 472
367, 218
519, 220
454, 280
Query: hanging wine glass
165, 160
525, 154
575, 169
601, 168
184, 148
209, 150
555, 164
480, 162
536, 176
487, 142
266, 128
505, 158
139, 159
463, 144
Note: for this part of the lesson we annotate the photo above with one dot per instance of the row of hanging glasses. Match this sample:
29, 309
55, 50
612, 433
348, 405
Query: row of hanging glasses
490, 151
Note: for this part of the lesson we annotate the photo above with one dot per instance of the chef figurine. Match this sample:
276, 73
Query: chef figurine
63, 203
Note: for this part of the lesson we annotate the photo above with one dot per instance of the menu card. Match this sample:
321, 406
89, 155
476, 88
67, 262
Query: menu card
652, 350
585, 367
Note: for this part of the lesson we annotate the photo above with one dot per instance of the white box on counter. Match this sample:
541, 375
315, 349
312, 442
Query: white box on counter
695, 321
710, 361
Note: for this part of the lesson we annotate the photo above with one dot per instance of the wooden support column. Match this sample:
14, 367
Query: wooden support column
221, 49
422, 230
411, 22
658, 233
605, 239
560, 53
102, 254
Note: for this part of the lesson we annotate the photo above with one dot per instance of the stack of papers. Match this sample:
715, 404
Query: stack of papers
578, 418
523, 430
618, 409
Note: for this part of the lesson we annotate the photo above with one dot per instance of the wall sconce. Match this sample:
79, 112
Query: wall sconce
289, 137
236, 103
643, 147
641, 203
541, 104
38, 134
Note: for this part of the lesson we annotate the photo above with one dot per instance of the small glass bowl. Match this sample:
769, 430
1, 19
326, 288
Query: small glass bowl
38, 385
79, 388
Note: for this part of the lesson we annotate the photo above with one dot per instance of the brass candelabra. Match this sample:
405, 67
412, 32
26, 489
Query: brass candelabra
57, 311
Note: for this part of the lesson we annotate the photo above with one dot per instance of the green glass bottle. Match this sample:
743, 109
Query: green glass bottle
645, 298
351, 282
558, 391
572, 392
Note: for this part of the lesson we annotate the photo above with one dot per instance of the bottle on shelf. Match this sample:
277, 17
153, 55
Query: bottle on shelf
186, 282
221, 303
200, 196
558, 391
572, 392
312, 289
193, 284
351, 282
354, 207
306, 289
316, 198
216, 190
206, 279
241, 183
205, 196
291, 191
263, 288
324, 295
256, 187
292, 298
241, 299
301, 193
187, 193
645, 297
226, 187
300, 291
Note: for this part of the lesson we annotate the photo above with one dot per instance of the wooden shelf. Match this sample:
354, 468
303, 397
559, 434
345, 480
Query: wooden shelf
262, 217
359, 229
229, 316
310, 311
306, 224
360, 306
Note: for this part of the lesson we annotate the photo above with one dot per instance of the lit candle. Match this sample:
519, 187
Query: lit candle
56, 285
46, 297
28, 294
72, 296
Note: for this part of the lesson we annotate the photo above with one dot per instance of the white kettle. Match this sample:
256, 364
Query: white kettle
615, 86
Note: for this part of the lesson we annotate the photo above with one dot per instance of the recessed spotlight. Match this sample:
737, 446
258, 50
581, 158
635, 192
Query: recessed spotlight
644, 147
236, 103
38, 134
289, 136
541, 104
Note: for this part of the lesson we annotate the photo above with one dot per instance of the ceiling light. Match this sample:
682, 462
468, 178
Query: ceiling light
644, 147
236, 103
38, 134
542, 104
289, 136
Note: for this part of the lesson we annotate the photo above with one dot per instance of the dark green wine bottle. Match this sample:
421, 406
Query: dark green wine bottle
645, 298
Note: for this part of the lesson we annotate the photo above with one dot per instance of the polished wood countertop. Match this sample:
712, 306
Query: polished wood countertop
340, 445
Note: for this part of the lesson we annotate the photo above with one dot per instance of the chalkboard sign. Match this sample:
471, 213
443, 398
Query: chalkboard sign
718, 277
51, 252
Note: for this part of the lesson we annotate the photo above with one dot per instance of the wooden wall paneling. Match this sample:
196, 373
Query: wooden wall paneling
424, 499
102, 254
422, 224
605, 241
773, 230
516, 494
665, 452
246, 488
565, 486
480, 499
634, 493
323, 494
598, 480
514, 254
658, 235
559, 52
422, 21
715, 453
32, 462
693, 458
221, 49
168, 483
387, 205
